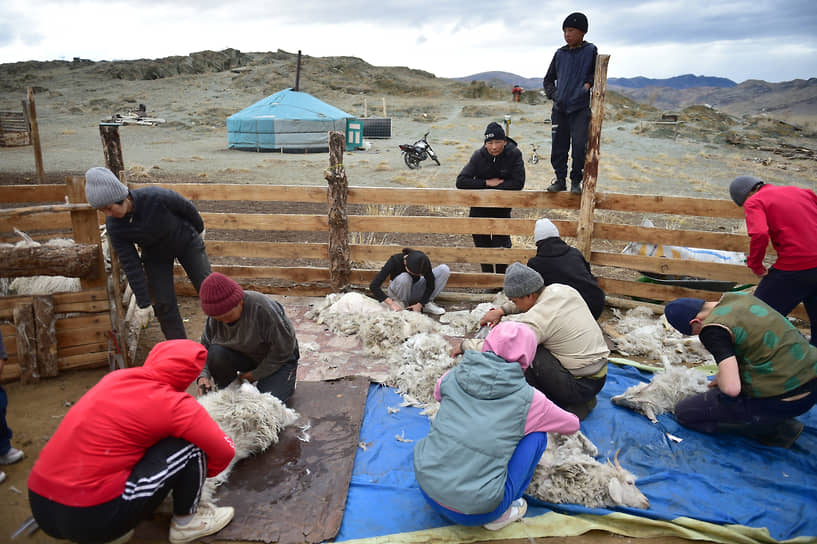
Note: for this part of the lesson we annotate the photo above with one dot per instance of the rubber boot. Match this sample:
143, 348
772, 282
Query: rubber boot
557, 185
782, 434
576, 187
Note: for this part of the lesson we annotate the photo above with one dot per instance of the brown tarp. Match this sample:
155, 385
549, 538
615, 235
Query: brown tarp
296, 491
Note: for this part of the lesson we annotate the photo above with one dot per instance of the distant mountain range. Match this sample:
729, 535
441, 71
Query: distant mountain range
686, 81
797, 97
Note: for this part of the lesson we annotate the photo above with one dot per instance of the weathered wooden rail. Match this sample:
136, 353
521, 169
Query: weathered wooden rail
269, 265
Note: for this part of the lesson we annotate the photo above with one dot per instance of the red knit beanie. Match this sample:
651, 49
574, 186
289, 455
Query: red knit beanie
219, 294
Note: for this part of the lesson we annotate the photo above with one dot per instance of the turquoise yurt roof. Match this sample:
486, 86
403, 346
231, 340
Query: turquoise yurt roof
288, 120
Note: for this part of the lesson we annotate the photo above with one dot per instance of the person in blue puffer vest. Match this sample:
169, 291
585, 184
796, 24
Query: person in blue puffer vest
489, 433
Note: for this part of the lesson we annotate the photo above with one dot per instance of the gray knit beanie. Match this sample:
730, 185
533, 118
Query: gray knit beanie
741, 186
521, 280
103, 188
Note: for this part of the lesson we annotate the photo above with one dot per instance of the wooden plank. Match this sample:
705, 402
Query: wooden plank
95, 294
100, 320
93, 347
87, 307
81, 337
236, 192
86, 360
684, 238
653, 291
258, 221
72, 261
678, 267
673, 205
35, 222
269, 250
449, 225
462, 198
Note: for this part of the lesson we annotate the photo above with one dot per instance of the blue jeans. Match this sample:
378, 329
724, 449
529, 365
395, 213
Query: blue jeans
5, 432
159, 274
784, 289
569, 127
520, 472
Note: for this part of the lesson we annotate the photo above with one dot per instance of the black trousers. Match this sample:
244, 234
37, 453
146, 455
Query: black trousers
171, 464
567, 128
226, 363
548, 375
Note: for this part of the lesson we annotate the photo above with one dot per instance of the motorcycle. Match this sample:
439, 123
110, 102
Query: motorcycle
417, 152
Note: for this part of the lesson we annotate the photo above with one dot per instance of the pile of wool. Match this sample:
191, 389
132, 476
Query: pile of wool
569, 473
463, 322
380, 329
416, 366
663, 392
644, 334
252, 419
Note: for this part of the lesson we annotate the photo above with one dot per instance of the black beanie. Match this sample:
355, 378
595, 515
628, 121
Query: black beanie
494, 132
576, 20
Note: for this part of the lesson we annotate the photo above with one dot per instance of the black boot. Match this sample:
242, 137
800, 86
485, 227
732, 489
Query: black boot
557, 185
576, 187
782, 434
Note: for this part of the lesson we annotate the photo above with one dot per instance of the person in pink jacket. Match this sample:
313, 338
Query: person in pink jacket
130, 440
489, 433
786, 216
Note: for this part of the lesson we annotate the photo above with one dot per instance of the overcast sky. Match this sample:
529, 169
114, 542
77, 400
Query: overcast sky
773, 40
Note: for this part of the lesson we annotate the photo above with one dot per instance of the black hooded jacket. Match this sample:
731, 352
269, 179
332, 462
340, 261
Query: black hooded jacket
509, 166
557, 262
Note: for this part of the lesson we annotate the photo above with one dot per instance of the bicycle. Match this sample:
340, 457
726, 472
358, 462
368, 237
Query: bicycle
534, 157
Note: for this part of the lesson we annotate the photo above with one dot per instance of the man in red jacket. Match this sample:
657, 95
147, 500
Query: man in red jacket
786, 216
129, 441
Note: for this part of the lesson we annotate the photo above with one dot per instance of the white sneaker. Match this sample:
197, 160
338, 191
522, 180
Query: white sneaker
11, 456
515, 511
433, 309
207, 520
2, 476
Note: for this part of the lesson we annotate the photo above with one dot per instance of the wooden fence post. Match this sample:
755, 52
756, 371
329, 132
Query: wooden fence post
339, 255
35, 136
26, 339
45, 327
584, 231
112, 147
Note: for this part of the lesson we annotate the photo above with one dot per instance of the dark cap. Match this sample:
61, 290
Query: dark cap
494, 132
576, 20
681, 311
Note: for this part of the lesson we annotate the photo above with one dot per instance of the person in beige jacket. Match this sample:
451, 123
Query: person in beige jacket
570, 366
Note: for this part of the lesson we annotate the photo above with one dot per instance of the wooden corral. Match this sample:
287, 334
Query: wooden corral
45, 334
247, 246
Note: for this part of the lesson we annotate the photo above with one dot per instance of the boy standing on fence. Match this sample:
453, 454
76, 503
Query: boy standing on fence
568, 82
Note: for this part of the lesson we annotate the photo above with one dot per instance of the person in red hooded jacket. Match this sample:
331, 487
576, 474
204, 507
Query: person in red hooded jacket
131, 439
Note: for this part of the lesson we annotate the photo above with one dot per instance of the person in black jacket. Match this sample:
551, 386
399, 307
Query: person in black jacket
557, 262
496, 165
165, 226
413, 284
573, 67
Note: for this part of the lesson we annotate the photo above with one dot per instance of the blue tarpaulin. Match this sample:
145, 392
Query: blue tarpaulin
720, 479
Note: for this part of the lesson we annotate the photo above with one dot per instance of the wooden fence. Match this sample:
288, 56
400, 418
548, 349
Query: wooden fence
247, 246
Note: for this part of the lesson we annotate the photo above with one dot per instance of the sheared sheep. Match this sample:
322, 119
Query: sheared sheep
663, 392
645, 335
569, 473
251, 418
